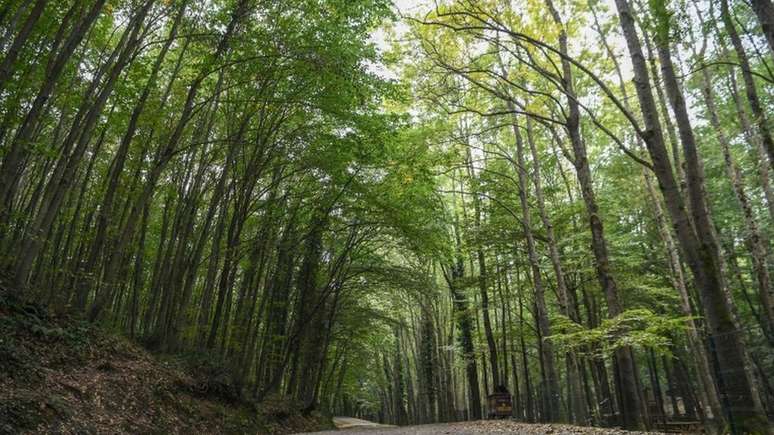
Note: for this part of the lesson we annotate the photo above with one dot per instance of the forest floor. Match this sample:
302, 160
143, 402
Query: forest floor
473, 427
62, 375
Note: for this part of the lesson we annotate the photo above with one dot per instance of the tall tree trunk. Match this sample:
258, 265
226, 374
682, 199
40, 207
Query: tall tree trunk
163, 156
698, 244
11, 166
759, 116
210, 276
225, 282
552, 397
465, 323
310, 310
528, 397
9, 61
669, 125
655, 384
519, 408
764, 9
755, 240
631, 407
427, 366
60, 181
483, 277
276, 335
578, 405
138, 277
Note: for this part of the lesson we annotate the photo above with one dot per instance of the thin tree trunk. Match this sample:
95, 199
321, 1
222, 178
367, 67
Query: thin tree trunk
579, 406
759, 116
764, 9
163, 156
528, 403
482, 279
138, 276
698, 243
62, 175
552, 396
12, 160
465, 322
755, 240
9, 61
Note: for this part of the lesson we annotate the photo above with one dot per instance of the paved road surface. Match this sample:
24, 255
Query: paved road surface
355, 426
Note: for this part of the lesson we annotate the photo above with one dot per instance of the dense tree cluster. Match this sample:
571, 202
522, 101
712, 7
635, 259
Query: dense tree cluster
202, 175
608, 202
571, 200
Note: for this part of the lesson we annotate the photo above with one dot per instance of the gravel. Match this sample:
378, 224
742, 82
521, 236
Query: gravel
483, 427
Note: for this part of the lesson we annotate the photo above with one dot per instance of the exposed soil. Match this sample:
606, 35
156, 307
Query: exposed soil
61, 375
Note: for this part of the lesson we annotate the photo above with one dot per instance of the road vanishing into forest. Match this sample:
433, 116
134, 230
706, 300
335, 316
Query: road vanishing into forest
408, 206
349, 425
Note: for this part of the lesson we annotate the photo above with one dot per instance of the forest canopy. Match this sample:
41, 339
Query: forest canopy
392, 211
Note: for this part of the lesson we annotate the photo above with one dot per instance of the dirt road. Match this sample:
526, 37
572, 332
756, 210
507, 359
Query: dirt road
353, 426
351, 423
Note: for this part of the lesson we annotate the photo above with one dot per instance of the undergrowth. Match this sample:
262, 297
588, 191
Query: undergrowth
61, 374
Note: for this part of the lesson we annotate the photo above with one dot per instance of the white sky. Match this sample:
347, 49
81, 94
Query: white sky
589, 37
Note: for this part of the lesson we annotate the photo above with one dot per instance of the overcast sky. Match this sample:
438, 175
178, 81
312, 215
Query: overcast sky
587, 36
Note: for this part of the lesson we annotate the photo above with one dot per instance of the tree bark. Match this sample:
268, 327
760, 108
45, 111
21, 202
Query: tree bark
764, 9
550, 378
465, 323
60, 181
759, 116
483, 277
12, 160
578, 404
698, 244
9, 61
755, 240
631, 407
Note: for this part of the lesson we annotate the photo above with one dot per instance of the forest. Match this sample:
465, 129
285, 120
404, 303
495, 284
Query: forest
392, 210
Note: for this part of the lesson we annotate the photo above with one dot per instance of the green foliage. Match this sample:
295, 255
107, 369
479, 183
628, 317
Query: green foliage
640, 329
282, 215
